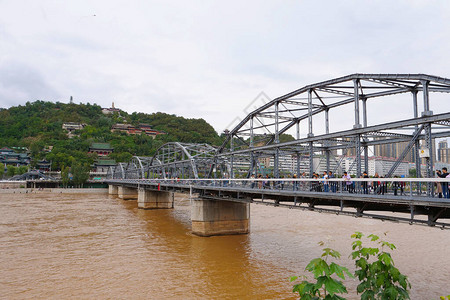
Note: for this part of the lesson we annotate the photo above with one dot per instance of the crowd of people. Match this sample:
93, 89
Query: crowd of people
372, 185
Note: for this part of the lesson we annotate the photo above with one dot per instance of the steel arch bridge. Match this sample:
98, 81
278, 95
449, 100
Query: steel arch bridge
331, 122
174, 160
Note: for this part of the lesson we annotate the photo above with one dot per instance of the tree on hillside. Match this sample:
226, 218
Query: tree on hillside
80, 174
11, 171
21, 170
65, 176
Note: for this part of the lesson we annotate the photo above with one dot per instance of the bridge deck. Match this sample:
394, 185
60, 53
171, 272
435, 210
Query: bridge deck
407, 208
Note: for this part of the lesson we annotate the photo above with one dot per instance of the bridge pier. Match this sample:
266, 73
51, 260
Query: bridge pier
113, 190
155, 199
219, 217
127, 193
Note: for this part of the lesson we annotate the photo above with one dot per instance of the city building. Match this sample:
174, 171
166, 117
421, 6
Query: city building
443, 152
377, 164
393, 150
102, 149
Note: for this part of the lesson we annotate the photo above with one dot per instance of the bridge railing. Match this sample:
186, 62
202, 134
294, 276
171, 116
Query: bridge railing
368, 186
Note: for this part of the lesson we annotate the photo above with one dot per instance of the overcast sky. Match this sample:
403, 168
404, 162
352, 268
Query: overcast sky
208, 59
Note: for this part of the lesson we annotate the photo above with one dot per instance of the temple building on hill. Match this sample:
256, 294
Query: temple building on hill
102, 149
10, 157
141, 128
44, 165
71, 127
111, 110
102, 165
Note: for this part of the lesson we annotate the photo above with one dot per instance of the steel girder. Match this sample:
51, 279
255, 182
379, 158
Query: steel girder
260, 130
257, 138
182, 160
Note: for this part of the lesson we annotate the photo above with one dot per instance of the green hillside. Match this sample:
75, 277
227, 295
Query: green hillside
38, 125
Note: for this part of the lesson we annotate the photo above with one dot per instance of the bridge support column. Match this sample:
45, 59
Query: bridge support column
113, 190
219, 217
155, 199
127, 193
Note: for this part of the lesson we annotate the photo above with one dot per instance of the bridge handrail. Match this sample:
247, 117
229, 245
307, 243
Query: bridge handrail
406, 179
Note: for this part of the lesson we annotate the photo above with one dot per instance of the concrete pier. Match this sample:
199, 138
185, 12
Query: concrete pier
155, 199
113, 190
219, 217
127, 193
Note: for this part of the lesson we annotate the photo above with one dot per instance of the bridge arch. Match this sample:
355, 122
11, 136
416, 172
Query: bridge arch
259, 135
119, 171
181, 160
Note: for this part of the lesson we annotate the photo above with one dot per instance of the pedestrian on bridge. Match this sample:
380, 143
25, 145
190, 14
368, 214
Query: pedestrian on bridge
333, 184
294, 183
252, 185
348, 182
325, 182
365, 183
438, 184
444, 174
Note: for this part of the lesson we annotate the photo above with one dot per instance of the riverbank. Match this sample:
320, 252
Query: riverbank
54, 191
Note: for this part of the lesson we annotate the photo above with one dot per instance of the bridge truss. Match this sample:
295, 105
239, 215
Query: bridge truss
326, 121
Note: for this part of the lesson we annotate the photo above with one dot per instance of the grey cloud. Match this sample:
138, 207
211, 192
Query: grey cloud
20, 83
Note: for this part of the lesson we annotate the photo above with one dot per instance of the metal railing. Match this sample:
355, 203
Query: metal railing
364, 186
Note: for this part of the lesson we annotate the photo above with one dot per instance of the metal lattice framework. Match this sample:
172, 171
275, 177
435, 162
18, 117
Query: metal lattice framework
174, 160
260, 136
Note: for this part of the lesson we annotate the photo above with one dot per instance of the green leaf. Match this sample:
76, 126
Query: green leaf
339, 271
373, 237
362, 263
293, 278
331, 252
368, 295
355, 254
357, 235
318, 267
356, 244
385, 258
334, 286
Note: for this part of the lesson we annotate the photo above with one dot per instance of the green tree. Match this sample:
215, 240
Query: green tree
21, 170
325, 287
80, 174
412, 172
2, 171
11, 171
380, 279
65, 176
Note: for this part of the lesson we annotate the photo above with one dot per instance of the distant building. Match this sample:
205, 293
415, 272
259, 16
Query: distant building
71, 127
443, 152
110, 110
377, 164
101, 166
141, 128
102, 149
145, 128
393, 150
127, 128
44, 165
10, 157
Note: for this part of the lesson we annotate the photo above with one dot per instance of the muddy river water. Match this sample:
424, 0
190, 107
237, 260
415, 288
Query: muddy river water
94, 246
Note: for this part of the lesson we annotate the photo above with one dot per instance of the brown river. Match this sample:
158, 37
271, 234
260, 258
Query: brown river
94, 246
